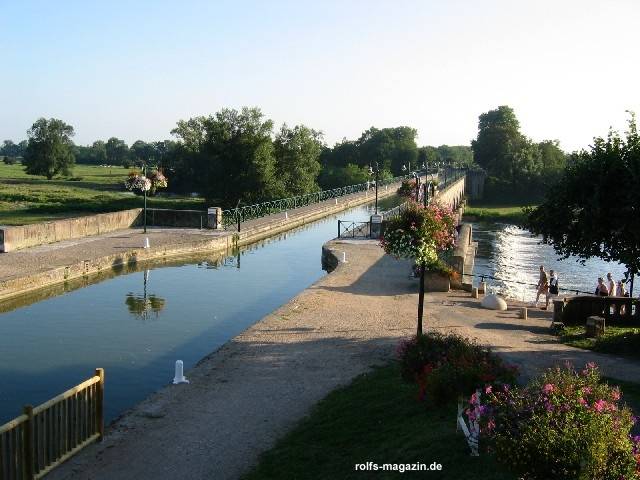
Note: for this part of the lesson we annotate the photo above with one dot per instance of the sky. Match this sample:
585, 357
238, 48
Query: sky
132, 69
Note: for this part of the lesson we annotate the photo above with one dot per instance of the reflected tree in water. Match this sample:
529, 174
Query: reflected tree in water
141, 306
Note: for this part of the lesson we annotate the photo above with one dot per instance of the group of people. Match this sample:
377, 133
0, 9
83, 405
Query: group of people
548, 286
610, 288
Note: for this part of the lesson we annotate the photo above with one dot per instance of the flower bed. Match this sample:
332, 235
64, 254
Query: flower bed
563, 425
446, 367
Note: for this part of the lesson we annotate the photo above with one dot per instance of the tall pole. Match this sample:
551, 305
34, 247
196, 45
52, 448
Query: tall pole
377, 172
417, 188
144, 172
421, 299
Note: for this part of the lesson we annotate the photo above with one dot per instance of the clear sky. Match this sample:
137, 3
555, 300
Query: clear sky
131, 69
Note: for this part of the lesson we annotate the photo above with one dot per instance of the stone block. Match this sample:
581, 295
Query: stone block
594, 326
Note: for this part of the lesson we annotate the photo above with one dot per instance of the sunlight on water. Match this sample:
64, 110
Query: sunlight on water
514, 255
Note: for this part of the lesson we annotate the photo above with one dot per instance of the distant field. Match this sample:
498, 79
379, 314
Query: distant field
91, 189
495, 213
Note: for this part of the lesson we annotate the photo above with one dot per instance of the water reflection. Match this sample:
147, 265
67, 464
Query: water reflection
141, 306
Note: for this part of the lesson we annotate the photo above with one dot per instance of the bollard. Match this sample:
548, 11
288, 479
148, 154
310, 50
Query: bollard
146, 242
336, 201
474, 292
523, 313
344, 257
482, 288
286, 216
179, 375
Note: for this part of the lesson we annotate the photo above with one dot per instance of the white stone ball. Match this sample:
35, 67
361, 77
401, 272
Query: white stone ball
493, 302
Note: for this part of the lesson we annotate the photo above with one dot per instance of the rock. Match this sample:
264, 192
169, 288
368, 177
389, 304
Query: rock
493, 302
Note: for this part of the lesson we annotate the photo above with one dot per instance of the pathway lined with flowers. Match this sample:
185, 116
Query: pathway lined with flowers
246, 395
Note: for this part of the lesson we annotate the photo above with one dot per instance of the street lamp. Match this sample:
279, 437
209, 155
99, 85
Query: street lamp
377, 172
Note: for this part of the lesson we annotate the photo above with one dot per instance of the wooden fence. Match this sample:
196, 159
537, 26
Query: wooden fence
43, 437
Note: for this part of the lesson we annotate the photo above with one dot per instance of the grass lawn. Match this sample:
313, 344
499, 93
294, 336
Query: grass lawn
92, 189
495, 212
376, 419
623, 341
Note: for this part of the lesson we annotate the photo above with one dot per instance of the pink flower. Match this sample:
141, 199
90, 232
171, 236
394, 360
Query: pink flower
487, 390
600, 406
615, 394
548, 388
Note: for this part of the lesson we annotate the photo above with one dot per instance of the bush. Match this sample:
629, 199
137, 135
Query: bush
563, 425
9, 160
446, 367
408, 189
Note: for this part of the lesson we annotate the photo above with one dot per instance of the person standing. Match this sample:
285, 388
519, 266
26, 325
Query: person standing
553, 287
611, 285
543, 284
602, 289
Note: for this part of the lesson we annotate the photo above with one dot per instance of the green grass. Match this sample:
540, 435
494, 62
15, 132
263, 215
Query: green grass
376, 418
623, 341
91, 189
504, 213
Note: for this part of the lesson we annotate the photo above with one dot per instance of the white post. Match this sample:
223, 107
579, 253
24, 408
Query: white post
146, 242
179, 375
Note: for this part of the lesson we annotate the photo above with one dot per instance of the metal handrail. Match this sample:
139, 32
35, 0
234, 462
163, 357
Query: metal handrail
233, 216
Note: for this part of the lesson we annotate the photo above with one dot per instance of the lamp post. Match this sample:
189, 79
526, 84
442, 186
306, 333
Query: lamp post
377, 172
417, 178
144, 174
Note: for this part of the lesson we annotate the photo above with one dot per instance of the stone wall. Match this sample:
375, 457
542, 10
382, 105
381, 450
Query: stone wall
25, 236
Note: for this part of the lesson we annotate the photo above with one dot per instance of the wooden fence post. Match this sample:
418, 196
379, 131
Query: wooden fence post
100, 403
27, 444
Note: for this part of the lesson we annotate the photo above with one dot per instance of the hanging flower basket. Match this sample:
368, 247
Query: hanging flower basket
137, 183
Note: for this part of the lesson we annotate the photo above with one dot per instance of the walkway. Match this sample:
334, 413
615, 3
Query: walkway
246, 395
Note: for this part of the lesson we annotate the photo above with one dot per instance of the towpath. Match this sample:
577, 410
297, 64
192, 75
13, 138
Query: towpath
246, 395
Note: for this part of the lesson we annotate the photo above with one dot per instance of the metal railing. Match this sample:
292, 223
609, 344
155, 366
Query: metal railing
351, 229
233, 216
43, 437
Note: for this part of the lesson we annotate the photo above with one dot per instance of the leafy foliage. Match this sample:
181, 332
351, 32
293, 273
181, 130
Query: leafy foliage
517, 167
448, 366
419, 233
297, 153
594, 210
50, 149
564, 425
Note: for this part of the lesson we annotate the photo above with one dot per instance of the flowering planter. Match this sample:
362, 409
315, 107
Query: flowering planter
436, 282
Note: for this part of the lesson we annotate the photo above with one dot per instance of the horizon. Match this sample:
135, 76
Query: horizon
132, 71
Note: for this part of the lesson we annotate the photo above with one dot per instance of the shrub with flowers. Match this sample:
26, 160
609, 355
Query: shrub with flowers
446, 367
408, 189
563, 425
419, 233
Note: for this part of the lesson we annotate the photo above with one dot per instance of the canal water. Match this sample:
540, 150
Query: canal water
514, 255
138, 323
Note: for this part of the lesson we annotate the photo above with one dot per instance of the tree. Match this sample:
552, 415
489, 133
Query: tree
99, 152
499, 139
117, 152
49, 149
594, 210
10, 149
297, 151
141, 152
231, 154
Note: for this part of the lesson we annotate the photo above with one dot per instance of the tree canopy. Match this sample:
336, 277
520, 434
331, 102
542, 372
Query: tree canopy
49, 149
516, 165
594, 210
233, 153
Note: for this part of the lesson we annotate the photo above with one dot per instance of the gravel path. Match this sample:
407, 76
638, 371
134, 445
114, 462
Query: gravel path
246, 395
